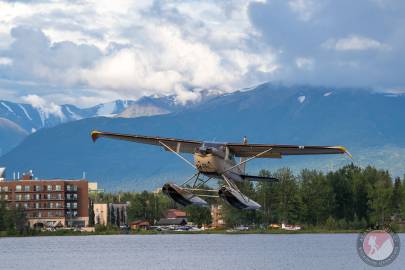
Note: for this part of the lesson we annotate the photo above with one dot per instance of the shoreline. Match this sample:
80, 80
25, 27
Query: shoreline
145, 232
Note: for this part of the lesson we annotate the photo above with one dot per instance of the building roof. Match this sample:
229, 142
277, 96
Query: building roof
175, 213
172, 221
140, 223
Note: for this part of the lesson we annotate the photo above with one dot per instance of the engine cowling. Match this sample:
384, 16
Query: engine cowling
181, 195
237, 200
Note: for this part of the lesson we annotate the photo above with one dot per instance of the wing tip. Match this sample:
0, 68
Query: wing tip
345, 151
95, 134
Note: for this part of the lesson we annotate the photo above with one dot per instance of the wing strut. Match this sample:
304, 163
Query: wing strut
247, 160
177, 154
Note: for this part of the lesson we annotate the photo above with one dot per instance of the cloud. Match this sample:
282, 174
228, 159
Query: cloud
47, 108
92, 51
338, 43
353, 42
134, 49
304, 63
6, 61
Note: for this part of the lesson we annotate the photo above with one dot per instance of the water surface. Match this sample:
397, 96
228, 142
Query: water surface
301, 251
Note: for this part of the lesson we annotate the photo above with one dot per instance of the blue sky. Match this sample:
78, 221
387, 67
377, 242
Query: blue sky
86, 52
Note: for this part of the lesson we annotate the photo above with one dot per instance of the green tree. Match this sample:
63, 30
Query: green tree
267, 198
147, 206
91, 213
397, 197
288, 200
199, 215
341, 183
361, 188
20, 220
317, 197
381, 198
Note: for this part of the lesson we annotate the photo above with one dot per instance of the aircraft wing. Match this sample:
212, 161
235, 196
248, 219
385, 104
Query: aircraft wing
277, 151
177, 145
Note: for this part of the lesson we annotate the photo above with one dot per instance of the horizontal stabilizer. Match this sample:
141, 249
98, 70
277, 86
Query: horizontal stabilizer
259, 178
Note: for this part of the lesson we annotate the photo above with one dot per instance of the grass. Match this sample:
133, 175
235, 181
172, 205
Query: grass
115, 231
155, 232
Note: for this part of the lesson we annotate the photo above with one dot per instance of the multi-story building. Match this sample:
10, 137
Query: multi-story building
93, 188
118, 213
53, 203
100, 213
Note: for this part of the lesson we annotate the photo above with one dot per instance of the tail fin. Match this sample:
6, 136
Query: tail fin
243, 166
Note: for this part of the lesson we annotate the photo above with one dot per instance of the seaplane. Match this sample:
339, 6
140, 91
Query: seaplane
214, 160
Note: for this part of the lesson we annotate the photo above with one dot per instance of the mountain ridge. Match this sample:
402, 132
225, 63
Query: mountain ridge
368, 123
31, 118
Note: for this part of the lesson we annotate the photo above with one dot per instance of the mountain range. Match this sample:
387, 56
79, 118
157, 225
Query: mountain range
18, 120
369, 123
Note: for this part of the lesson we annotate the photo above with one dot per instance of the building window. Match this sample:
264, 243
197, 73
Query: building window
74, 196
18, 197
75, 205
57, 205
37, 205
74, 188
38, 188
27, 197
68, 205
5, 189
17, 205
5, 196
18, 188
51, 205
68, 187
49, 188
48, 196
26, 188
25, 205
58, 188
59, 196
37, 196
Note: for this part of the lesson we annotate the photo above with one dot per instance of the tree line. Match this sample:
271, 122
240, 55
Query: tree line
348, 198
12, 220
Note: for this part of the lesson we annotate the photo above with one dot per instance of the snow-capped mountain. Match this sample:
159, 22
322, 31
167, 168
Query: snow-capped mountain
22, 119
369, 124
31, 118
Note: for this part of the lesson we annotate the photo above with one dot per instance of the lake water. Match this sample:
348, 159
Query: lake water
302, 251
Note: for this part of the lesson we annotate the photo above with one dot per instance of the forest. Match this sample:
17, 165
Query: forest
348, 198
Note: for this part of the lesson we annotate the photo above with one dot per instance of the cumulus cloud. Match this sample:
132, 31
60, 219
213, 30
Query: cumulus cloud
340, 43
91, 51
5, 61
136, 48
354, 42
304, 63
47, 108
